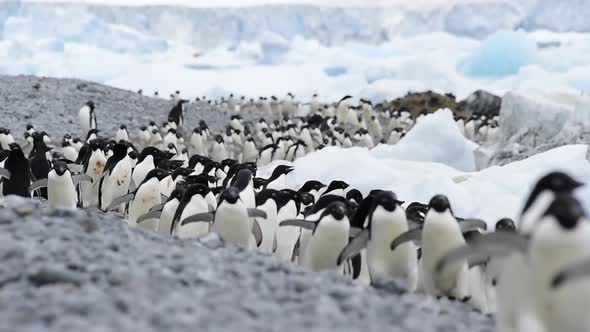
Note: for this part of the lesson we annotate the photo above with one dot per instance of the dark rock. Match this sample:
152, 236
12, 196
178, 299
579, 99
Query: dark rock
482, 103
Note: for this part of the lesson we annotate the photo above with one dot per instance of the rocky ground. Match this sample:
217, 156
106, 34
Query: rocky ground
53, 104
86, 271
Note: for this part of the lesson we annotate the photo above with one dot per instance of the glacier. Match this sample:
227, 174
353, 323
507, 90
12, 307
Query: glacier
376, 53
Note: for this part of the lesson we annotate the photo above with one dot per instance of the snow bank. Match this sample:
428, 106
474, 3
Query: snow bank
435, 138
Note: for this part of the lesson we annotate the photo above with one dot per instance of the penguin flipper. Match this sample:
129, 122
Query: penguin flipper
76, 168
150, 215
274, 244
461, 253
38, 184
571, 273
354, 231
199, 217
5, 173
158, 207
296, 249
411, 235
478, 261
81, 178
120, 200
298, 223
354, 247
256, 213
472, 225
257, 232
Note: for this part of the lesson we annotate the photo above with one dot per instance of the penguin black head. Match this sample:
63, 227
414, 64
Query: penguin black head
337, 184
567, 210
60, 167
120, 150
30, 126
282, 170
123, 127
157, 173
354, 195
556, 182
230, 195
90, 104
219, 139
387, 200
176, 194
154, 131
242, 179
337, 210
143, 128
344, 98
152, 123
171, 146
133, 155
505, 225
440, 203
311, 185
306, 198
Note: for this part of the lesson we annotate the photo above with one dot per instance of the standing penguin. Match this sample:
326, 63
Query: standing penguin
122, 134
87, 118
61, 191
386, 221
194, 201
93, 164
441, 233
17, 178
219, 150
175, 115
329, 237
116, 177
267, 201
146, 196
40, 166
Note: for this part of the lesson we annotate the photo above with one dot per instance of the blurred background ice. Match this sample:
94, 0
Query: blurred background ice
376, 49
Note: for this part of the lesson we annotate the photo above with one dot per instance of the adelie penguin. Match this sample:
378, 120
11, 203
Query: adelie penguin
441, 233
16, 174
87, 118
146, 196
231, 219
61, 191
194, 201
164, 213
330, 235
116, 177
386, 221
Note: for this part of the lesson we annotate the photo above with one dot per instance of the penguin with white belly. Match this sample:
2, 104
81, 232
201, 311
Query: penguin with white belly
61, 191
116, 177
386, 221
329, 237
87, 117
194, 201
145, 197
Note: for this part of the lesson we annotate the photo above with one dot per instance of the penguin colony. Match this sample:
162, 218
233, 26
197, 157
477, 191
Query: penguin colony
532, 277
